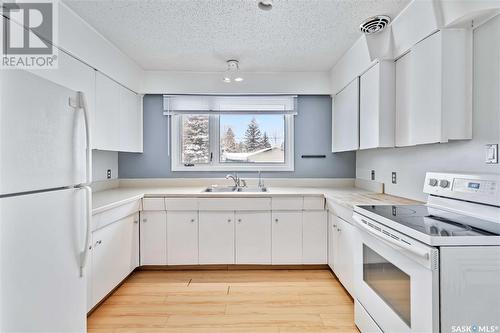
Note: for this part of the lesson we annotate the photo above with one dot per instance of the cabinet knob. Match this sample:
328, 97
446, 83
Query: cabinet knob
239, 220
228, 220
144, 220
98, 242
339, 230
192, 220
135, 221
334, 226
276, 220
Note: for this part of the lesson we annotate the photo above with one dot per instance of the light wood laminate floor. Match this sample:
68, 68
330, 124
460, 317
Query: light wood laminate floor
250, 301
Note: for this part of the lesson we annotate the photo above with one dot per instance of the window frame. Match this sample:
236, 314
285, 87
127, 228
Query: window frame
214, 144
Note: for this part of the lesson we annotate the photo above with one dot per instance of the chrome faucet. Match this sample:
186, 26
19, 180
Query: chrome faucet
238, 182
234, 178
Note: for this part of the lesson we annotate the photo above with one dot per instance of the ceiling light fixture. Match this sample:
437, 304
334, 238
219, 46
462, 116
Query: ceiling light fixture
232, 72
266, 5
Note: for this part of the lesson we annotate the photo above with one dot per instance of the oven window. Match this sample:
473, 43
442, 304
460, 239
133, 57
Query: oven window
389, 282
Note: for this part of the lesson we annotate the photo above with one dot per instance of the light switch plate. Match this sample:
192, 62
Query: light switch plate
492, 154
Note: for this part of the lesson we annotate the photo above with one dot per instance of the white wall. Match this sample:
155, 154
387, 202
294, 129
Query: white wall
301, 83
102, 161
411, 163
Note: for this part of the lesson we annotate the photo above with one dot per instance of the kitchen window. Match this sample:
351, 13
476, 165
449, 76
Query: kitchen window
226, 133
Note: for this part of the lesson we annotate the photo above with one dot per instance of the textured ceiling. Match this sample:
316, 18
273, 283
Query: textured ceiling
200, 35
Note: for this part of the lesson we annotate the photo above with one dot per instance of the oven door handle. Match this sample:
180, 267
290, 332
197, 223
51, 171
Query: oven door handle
388, 239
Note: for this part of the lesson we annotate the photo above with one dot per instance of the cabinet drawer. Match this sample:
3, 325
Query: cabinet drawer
241, 204
287, 203
153, 204
314, 203
181, 204
103, 219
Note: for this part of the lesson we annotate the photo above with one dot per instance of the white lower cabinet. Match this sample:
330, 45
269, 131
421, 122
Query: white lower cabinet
182, 237
216, 237
153, 238
114, 255
343, 257
314, 237
253, 237
287, 237
332, 240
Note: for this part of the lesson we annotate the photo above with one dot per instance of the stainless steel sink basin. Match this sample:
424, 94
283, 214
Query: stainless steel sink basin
214, 189
229, 189
252, 189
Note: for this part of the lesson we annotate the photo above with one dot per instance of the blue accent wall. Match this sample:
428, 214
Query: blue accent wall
313, 126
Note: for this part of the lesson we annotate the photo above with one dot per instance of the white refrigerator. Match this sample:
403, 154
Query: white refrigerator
45, 205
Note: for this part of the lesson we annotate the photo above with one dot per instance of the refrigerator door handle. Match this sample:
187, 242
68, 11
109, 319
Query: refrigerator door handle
88, 168
88, 217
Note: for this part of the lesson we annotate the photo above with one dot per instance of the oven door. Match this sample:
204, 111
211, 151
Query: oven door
396, 279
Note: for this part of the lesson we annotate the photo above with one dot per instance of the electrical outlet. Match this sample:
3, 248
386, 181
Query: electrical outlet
491, 154
373, 175
394, 179
108, 173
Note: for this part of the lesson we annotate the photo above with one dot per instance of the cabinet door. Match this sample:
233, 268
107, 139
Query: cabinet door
130, 121
153, 238
369, 101
426, 109
111, 256
216, 237
314, 237
287, 237
345, 118
107, 116
182, 237
344, 266
403, 101
134, 243
332, 241
253, 237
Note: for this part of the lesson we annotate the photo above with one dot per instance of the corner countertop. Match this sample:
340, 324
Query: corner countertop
344, 196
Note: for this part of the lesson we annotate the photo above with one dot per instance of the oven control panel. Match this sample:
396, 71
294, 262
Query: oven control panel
475, 188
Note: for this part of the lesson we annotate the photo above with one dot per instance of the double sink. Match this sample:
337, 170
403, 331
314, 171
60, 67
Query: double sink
230, 189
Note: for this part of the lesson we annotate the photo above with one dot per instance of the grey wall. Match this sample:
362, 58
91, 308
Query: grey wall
312, 136
411, 163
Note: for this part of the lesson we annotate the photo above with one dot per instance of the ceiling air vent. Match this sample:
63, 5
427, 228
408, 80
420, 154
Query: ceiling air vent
374, 24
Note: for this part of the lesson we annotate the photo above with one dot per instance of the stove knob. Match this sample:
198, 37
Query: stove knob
444, 183
433, 182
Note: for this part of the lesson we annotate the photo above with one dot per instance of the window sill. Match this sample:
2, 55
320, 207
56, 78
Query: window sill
234, 167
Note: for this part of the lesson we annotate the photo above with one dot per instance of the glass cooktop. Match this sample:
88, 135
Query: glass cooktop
435, 222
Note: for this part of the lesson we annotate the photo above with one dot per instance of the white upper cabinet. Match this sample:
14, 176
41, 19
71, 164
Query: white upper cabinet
345, 118
118, 118
433, 90
376, 106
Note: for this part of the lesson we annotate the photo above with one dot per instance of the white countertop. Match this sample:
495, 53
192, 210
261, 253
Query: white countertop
345, 196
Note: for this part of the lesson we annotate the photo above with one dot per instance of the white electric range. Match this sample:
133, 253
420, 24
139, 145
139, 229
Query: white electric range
433, 267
